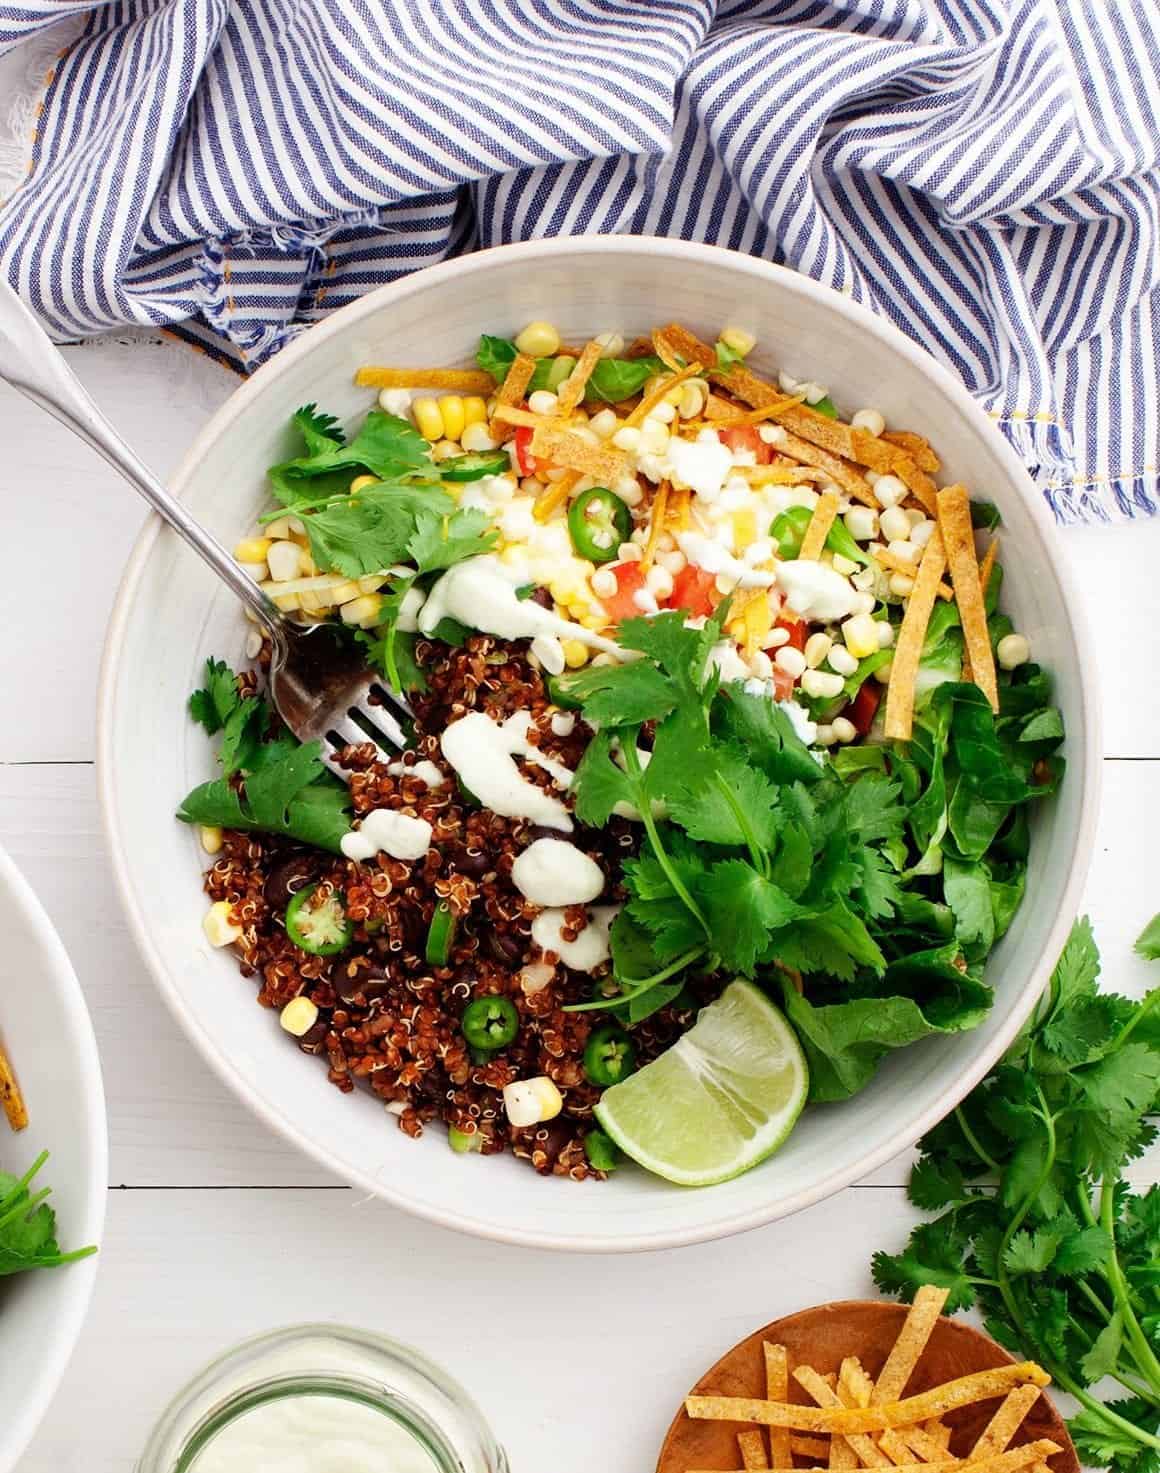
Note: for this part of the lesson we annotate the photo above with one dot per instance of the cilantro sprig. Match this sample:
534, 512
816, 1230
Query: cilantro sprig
270, 782
28, 1225
1037, 1226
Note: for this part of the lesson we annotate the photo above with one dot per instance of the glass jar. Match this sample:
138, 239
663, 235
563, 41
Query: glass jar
432, 1420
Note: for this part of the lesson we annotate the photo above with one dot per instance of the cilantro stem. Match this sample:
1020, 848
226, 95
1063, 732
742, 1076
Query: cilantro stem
636, 985
644, 808
973, 1141
1142, 1352
756, 852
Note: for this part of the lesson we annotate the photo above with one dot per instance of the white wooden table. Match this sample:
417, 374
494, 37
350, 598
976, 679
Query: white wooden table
216, 1229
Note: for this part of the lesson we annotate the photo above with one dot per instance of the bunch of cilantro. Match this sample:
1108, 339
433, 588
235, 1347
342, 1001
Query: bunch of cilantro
1038, 1227
270, 783
405, 523
864, 893
28, 1225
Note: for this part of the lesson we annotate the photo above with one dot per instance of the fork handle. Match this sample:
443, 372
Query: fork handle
32, 364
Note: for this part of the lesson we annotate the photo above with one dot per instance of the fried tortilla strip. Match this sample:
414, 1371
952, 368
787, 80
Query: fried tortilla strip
561, 446
571, 391
556, 495
779, 475
853, 1388
908, 647
512, 390
886, 559
1009, 1462
657, 394
15, 1110
752, 1446
818, 530
512, 414
851, 480
1002, 1427
759, 416
921, 1318
918, 447
938, 1431
807, 1447
777, 1389
986, 568
455, 380
954, 520
897, 1447
862, 1448
656, 524
965, 1391
929, 1448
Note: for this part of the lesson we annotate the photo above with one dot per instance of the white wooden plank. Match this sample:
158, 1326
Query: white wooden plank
577, 1363
77, 522
169, 1115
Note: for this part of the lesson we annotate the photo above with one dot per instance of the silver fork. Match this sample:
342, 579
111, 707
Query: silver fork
319, 684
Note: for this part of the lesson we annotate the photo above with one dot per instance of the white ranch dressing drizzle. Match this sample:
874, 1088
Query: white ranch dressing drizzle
554, 872
313, 1434
480, 592
715, 557
702, 464
815, 591
590, 949
483, 753
427, 771
386, 832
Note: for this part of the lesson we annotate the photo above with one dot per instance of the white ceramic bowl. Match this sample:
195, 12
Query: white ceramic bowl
48, 1036
170, 615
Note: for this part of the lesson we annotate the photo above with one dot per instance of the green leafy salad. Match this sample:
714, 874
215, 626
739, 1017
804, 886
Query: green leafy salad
1038, 1226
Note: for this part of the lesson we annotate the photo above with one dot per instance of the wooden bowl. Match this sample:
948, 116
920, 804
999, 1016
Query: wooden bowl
822, 1337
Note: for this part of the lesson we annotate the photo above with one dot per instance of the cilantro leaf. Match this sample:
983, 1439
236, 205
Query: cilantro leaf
620, 695
28, 1225
931, 1257
212, 706
764, 731
367, 533
601, 783
728, 805
935, 1184
1148, 941
386, 446
440, 541
742, 908
1030, 1253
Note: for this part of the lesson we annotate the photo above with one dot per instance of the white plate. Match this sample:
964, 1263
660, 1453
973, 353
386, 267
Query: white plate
47, 1034
171, 614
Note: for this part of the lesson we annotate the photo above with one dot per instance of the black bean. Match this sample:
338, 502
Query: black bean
472, 862
507, 949
289, 876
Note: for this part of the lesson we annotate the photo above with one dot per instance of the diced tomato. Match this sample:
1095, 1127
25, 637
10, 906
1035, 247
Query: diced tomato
694, 590
746, 437
524, 457
783, 686
862, 708
798, 632
629, 581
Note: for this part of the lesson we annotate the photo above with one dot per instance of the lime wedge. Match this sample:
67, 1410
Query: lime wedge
719, 1101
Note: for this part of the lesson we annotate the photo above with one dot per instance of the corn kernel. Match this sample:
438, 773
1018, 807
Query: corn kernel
219, 925
289, 603
575, 653
454, 415
514, 552
474, 410
611, 344
428, 417
211, 838
861, 635
365, 611
360, 483
284, 561
538, 340
744, 528
445, 449
298, 1016
532, 1101
476, 437
252, 549
738, 339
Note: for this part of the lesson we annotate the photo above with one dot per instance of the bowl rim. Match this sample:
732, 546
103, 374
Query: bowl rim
451, 273
81, 1044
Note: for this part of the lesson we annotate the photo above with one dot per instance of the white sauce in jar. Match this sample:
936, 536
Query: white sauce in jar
313, 1434
590, 949
386, 832
483, 753
554, 872
480, 592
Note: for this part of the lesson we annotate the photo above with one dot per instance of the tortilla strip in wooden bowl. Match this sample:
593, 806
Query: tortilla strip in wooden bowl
824, 1336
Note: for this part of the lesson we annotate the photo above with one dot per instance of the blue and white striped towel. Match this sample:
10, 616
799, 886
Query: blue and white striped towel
984, 172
